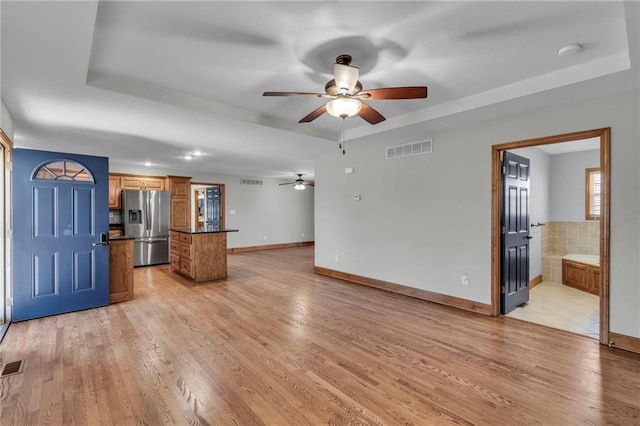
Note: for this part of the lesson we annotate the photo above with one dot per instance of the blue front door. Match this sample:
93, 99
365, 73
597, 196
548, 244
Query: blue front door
60, 219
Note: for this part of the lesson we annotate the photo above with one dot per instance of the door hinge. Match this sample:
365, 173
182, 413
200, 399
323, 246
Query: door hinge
504, 169
9, 301
502, 290
504, 230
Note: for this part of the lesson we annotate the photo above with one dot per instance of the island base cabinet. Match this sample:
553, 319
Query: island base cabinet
120, 270
201, 257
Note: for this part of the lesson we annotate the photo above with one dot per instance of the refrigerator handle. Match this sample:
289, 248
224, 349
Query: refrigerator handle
148, 212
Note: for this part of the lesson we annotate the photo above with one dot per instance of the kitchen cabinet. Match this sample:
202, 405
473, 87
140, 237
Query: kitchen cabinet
180, 187
180, 209
581, 276
142, 182
120, 270
201, 256
119, 181
114, 192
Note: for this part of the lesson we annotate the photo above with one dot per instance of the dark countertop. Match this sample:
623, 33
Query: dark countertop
120, 238
202, 230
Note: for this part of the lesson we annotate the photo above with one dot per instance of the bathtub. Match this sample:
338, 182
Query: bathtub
589, 259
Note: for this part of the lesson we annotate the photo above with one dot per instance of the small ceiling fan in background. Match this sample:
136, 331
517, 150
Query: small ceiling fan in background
347, 95
299, 184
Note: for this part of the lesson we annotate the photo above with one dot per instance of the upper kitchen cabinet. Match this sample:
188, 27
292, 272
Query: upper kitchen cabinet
114, 192
140, 182
180, 186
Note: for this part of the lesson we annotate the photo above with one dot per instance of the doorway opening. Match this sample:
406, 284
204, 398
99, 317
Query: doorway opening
207, 204
557, 248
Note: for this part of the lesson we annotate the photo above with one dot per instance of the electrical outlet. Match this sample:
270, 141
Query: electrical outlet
264, 238
336, 257
302, 235
465, 279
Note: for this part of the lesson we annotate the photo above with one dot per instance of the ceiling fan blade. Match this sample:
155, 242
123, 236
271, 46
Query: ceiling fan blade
299, 94
411, 92
370, 115
309, 184
314, 114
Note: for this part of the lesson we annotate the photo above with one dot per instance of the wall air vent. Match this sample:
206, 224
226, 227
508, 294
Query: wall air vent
250, 182
409, 149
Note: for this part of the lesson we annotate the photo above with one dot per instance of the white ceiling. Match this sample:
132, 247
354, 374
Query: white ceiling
151, 81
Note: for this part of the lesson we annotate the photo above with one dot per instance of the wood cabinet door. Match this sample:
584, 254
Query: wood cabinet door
180, 212
180, 186
594, 280
114, 192
154, 184
131, 182
575, 275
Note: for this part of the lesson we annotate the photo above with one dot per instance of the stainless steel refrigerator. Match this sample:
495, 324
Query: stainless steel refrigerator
146, 218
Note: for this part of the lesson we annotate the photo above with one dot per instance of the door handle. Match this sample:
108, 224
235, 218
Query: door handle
104, 240
528, 237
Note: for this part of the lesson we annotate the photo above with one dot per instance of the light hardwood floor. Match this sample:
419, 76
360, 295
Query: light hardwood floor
276, 344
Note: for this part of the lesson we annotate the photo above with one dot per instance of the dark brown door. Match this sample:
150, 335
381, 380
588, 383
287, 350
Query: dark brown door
515, 231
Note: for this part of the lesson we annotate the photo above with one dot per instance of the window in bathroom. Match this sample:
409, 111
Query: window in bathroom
592, 194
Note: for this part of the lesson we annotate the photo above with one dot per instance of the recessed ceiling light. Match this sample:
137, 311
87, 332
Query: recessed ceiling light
197, 153
147, 163
187, 157
570, 49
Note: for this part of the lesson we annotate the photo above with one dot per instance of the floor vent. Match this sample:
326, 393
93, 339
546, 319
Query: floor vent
10, 368
250, 182
406, 150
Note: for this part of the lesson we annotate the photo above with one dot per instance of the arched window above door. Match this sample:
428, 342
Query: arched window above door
63, 170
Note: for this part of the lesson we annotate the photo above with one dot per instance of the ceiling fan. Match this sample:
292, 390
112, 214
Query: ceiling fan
299, 183
346, 94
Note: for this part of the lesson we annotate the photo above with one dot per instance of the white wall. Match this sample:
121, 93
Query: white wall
567, 184
538, 202
425, 220
280, 213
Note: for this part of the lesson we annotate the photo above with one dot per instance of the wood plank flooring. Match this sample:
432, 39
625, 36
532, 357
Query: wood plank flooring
277, 345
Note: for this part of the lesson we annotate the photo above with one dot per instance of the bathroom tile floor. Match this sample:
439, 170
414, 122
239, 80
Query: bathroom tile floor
562, 307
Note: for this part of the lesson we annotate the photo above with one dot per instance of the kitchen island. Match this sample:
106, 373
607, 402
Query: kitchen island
200, 253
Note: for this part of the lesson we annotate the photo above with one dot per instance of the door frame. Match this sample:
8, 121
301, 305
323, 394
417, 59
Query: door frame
605, 167
6, 236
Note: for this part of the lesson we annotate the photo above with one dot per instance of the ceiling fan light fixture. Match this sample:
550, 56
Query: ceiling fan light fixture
344, 107
346, 78
299, 186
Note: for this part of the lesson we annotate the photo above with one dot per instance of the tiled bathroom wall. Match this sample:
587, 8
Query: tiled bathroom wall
571, 237
560, 238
